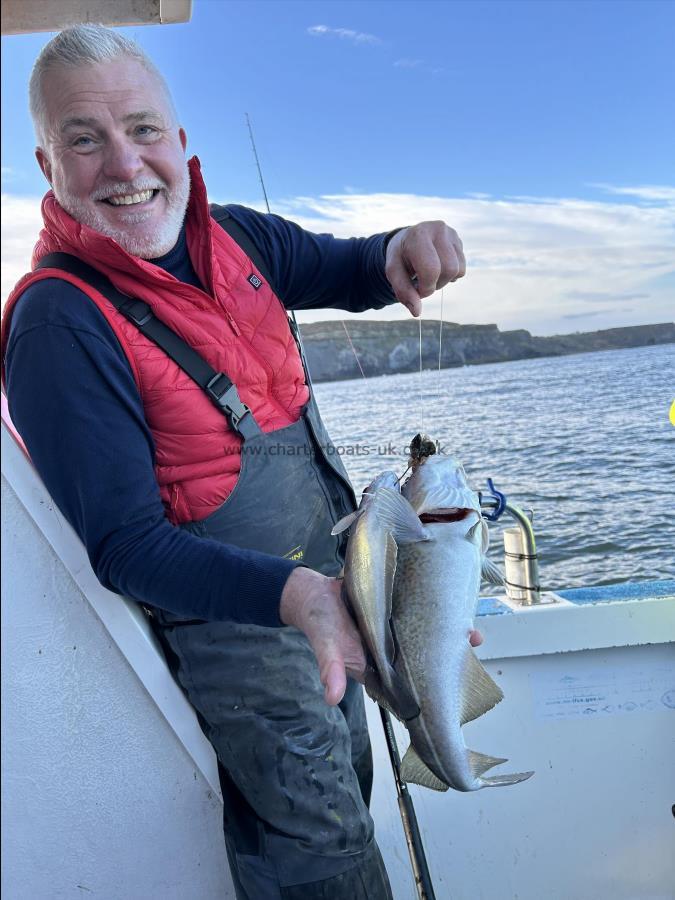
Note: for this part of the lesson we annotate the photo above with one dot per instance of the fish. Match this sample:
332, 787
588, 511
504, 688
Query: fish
383, 522
414, 606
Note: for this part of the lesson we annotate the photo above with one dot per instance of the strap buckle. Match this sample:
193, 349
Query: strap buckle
136, 310
226, 397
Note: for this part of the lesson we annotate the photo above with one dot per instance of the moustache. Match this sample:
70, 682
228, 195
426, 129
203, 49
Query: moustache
126, 188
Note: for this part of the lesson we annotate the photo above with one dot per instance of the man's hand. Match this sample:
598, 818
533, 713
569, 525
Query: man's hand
432, 253
313, 603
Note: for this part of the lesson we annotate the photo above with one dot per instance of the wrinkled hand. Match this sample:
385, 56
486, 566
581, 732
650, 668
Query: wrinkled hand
432, 253
313, 603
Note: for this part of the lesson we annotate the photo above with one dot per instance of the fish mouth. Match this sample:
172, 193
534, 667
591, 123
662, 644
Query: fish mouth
451, 514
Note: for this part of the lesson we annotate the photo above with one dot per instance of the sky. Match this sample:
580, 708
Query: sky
542, 131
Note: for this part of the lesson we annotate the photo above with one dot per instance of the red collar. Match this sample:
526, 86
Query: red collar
64, 232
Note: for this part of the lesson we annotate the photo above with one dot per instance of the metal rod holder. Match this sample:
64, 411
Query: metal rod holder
520, 556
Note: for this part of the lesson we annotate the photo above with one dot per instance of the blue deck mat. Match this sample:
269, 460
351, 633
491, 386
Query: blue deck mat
604, 593
629, 590
491, 606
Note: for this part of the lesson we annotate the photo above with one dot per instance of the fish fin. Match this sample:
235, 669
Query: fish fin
401, 698
486, 537
478, 692
490, 572
479, 528
346, 522
375, 693
396, 514
373, 685
481, 762
376, 690
498, 780
383, 703
473, 531
413, 770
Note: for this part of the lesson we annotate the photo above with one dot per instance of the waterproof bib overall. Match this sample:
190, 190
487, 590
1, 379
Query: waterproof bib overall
296, 773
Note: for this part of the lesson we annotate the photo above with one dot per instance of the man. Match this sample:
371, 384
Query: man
188, 504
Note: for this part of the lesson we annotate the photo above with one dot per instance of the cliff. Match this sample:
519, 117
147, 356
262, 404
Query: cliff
390, 347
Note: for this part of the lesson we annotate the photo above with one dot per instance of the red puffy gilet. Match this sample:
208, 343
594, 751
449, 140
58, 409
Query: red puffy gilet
239, 330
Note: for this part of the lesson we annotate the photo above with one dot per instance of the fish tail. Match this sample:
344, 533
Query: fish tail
479, 763
499, 780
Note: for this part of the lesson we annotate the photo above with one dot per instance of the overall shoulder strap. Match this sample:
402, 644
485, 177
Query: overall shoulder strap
218, 387
221, 215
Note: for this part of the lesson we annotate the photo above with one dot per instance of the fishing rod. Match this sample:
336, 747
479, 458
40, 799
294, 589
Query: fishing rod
257, 162
411, 829
295, 328
413, 837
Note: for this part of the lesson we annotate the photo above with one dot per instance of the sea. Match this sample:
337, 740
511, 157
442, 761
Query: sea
583, 441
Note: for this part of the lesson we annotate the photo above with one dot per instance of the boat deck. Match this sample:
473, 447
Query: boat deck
111, 787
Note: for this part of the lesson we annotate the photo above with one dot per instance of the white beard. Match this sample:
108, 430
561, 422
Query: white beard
149, 246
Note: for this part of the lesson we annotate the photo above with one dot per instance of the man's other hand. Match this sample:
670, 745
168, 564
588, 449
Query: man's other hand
313, 603
431, 253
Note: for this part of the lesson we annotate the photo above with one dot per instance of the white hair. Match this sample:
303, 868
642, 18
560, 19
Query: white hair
82, 45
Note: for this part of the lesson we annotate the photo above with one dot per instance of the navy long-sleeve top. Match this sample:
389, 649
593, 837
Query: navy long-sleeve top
73, 399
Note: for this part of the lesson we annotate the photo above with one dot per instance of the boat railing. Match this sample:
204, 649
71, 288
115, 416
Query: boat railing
521, 562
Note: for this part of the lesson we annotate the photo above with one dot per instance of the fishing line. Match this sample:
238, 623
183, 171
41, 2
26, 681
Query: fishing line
440, 332
421, 384
400, 479
356, 356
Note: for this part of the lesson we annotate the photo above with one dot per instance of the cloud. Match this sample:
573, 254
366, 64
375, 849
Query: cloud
605, 296
12, 176
531, 262
534, 264
21, 223
356, 37
418, 64
586, 315
651, 192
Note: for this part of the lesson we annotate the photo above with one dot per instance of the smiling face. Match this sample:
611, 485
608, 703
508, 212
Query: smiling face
114, 154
